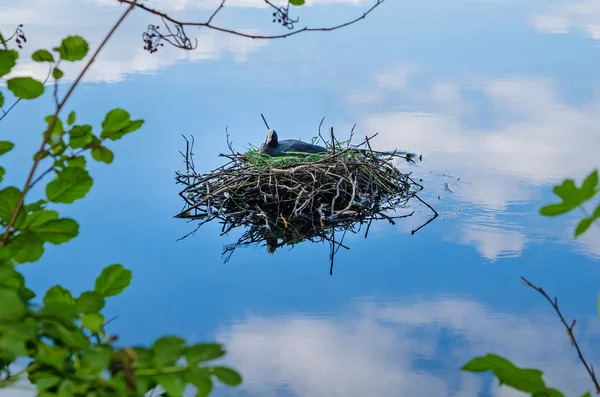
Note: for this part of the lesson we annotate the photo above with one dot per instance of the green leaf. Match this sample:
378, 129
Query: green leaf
44, 380
93, 322
71, 118
567, 191
486, 363
200, 378
596, 213
115, 120
143, 357
39, 217
2, 173
71, 184
57, 231
26, 330
8, 60
6, 146
58, 294
72, 336
113, 280
9, 197
57, 73
78, 161
67, 389
203, 352
36, 206
73, 48
12, 308
526, 380
96, 357
548, 393
103, 154
587, 394
556, 209
42, 56
57, 129
118, 123
172, 383
227, 376
9, 278
133, 126
573, 196
588, 186
583, 225
12, 344
89, 302
25, 87
167, 350
296, 2
1, 99
27, 294
80, 136
26, 247
60, 311
53, 356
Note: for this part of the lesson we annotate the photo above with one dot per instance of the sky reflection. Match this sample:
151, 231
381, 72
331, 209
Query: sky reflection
501, 98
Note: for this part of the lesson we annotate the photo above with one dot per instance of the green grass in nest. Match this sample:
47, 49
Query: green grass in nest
265, 162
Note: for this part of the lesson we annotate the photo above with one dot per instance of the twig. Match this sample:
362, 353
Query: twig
52, 123
216, 11
265, 121
435, 214
209, 25
554, 303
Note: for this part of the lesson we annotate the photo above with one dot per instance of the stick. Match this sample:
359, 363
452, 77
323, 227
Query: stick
263, 117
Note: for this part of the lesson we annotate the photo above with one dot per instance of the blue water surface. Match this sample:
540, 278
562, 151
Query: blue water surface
501, 98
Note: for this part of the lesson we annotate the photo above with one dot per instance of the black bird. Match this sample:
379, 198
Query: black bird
273, 147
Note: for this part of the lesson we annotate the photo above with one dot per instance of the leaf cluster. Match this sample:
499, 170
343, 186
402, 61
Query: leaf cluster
573, 197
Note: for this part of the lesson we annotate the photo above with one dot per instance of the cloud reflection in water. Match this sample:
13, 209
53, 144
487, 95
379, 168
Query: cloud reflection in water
396, 349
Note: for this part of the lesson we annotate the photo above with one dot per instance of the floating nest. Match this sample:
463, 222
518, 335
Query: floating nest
282, 201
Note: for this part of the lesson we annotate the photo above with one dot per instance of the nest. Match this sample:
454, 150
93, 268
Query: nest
305, 197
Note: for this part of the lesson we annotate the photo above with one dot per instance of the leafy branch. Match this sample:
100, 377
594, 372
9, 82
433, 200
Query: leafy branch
72, 49
64, 337
529, 380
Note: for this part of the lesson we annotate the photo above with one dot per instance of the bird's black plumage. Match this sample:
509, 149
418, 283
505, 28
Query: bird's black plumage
274, 147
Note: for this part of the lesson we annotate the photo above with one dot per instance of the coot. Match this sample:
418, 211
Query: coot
273, 147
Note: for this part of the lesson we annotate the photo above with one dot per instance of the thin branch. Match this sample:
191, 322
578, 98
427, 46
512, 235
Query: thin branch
216, 11
208, 24
435, 214
52, 123
554, 303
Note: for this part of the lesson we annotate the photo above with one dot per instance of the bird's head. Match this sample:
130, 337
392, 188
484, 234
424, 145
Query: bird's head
271, 138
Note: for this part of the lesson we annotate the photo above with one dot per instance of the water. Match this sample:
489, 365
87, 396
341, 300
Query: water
502, 95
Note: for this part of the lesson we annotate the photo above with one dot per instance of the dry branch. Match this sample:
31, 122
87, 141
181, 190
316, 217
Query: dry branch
569, 328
